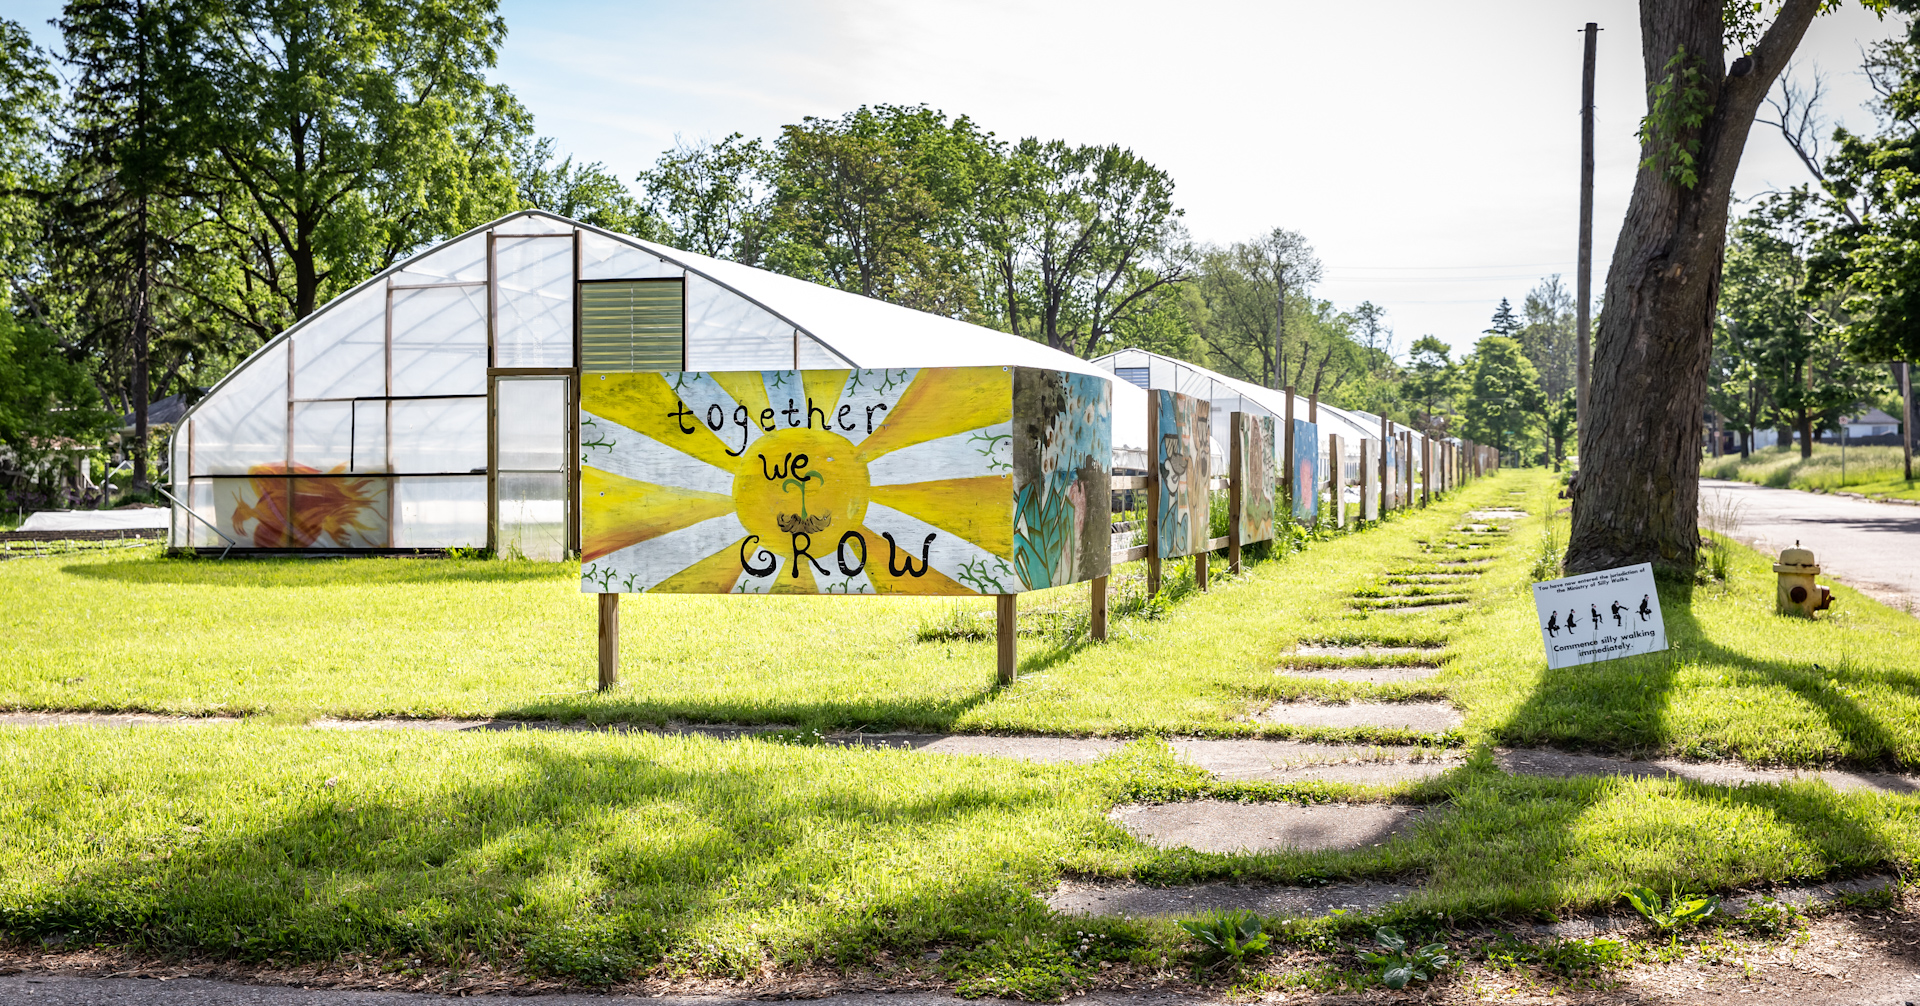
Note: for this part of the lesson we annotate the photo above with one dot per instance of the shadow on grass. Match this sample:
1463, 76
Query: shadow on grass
1621, 706
600, 851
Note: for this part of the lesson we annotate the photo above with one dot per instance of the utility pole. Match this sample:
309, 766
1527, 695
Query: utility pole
1906, 419
1584, 281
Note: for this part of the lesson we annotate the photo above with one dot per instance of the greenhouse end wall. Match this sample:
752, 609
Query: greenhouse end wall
433, 406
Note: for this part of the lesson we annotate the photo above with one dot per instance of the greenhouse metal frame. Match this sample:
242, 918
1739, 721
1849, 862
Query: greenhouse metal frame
436, 405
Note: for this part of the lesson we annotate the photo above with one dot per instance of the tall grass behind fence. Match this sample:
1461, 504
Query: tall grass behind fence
1783, 468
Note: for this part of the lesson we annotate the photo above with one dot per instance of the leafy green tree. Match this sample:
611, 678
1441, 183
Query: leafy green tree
1793, 337
340, 135
29, 105
116, 222
1708, 65
1503, 399
1242, 286
48, 401
713, 198
1546, 332
1079, 240
1431, 384
588, 193
876, 202
1870, 251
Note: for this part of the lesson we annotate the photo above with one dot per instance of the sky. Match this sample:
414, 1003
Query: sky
1429, 151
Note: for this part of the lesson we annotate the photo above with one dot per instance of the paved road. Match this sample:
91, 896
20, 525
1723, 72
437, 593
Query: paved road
1871, 547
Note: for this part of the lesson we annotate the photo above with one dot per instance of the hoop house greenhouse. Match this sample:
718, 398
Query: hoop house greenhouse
436, 405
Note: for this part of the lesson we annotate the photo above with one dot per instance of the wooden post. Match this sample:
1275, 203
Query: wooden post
1097, 624
1286, 456
1385, 493
1366, 479
1203, 444
1153, 494
1426, 470
609, 641
1005, 624
1335, 484
1236, 492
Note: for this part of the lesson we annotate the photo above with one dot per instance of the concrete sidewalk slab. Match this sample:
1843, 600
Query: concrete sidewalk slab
1217, 826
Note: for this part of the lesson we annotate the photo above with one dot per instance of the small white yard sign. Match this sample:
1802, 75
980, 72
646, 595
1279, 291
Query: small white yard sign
1600, 616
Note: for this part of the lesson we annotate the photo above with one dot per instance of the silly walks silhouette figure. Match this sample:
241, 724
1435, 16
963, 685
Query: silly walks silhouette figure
1573, 619
1553, 624
1595, 610
1645, 608
1617, 609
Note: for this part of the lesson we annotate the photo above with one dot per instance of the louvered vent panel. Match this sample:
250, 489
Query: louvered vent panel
632, 325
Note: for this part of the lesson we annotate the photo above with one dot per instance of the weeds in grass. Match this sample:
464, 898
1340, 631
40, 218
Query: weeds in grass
1770, 917
1400, 963
1675, 914
1576, 959
1228, 935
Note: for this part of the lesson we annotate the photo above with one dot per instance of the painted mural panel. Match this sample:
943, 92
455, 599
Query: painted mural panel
1307, 476
267, 509
1062, 477
1257, 478
1180, 460
817, 481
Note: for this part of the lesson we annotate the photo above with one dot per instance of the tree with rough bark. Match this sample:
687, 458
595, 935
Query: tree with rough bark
1637, 498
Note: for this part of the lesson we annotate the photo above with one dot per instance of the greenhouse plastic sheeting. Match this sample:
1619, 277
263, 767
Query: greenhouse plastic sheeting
366, 424
243, 425
533, 322
440, 341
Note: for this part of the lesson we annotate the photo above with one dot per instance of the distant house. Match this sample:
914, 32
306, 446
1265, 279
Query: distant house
1872, 423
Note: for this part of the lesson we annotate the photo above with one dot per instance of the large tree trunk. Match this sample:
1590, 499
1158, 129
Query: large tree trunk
1638, 496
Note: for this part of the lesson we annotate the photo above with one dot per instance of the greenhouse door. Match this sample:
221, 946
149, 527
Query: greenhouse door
532, 438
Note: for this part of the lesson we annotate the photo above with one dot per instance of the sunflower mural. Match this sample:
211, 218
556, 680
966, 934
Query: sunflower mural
1255, 477
928, 481
1306, 471
1180, 449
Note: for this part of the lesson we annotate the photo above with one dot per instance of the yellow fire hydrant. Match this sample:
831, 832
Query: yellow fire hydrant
1798, 594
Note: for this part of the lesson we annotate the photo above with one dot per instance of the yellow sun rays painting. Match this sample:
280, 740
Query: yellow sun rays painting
964, 480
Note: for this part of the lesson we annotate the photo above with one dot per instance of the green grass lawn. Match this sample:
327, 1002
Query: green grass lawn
363, 637
367, 637
588, 855
1875, 471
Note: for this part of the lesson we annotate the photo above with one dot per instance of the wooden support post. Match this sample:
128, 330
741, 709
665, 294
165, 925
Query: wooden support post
609, 641
1336, 485
1097, 623
1153, 494
1006, 615
1236, 491
1366, 479
1386, 493
1426, 470
1200, 571
1286, 457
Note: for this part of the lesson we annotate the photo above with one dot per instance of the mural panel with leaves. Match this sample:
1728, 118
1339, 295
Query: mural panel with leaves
1180, 449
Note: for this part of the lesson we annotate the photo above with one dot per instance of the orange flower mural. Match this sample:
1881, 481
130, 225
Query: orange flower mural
300, 512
